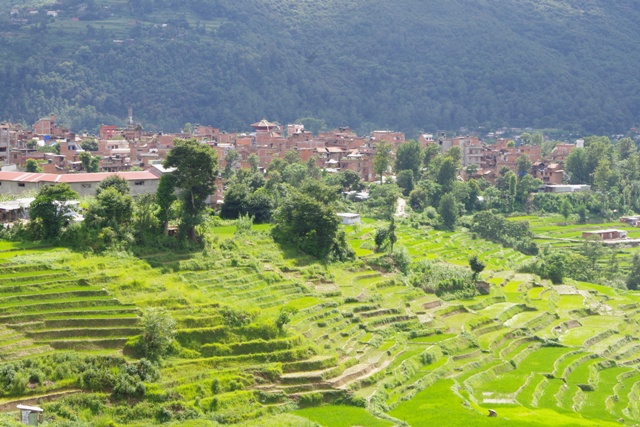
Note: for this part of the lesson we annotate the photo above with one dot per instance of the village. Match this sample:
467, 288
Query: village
137, 155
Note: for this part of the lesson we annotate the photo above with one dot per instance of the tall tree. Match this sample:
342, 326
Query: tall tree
431, 151
448, 210
447, 173
196, 169
393, 238
409, 157
476, 266
404, 179
254, 162
524, 164
565, 209
576, 165
48, 212
165, 197
633, 278
230, 159
382, 159
626, 147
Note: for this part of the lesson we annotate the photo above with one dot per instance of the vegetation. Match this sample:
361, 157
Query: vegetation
559, 53
279, 321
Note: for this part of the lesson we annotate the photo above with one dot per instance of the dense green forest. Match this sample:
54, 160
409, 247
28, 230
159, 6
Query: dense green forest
410, 65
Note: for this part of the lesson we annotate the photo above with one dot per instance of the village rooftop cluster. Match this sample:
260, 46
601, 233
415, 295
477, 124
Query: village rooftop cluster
137, 156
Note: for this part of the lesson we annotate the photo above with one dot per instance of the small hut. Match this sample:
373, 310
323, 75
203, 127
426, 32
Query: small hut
30, 415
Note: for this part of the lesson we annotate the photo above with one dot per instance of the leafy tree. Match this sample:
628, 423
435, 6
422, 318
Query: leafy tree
235, 200
120, 184
254, 162
576, 166
447, 173
110, 209
383, 199
89, 162
633, 278
448, 210
537, 138
380, 237
404, 179
295, 174
196, 169
593, 250
526, 185
145, 216
554, 266
524, 164
165, 197
476, 266
291, 157
418, 199
565, 209
431, 151
393, 238
231, 158
409, 157
284, 317
32, 166
320, 191
312, 168
307, 223
48, 212
89, 145
158, 331
581, 210
525, 138
260, 205
513, 187
349, 180
456, 154
626, 147
382, 159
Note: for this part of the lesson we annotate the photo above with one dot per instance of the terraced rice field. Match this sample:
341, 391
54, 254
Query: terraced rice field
531, 351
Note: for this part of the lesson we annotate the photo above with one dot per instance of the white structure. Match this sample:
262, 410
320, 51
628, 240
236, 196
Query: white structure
565, 188
349, 218
30, 415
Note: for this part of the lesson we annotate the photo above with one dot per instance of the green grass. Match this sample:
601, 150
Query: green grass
438, 405
342, 416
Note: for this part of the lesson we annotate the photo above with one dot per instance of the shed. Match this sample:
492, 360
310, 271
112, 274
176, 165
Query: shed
14, 210
349, 218
30, 415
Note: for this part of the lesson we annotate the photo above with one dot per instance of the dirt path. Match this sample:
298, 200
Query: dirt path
400, 207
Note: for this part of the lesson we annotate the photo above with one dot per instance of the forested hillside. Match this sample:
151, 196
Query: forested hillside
407, 64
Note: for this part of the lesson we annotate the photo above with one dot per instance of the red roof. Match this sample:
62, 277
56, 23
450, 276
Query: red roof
74, 177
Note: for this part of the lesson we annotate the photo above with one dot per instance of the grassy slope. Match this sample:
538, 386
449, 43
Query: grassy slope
352, 331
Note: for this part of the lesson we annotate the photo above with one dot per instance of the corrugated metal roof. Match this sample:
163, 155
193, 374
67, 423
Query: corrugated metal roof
74, 177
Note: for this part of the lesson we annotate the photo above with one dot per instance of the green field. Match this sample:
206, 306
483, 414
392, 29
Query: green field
357, 336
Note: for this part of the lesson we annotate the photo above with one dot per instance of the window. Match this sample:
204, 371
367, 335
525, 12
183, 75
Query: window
86, 185
139, 183
21, 184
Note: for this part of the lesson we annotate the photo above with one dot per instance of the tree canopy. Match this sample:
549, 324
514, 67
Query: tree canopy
196, 167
